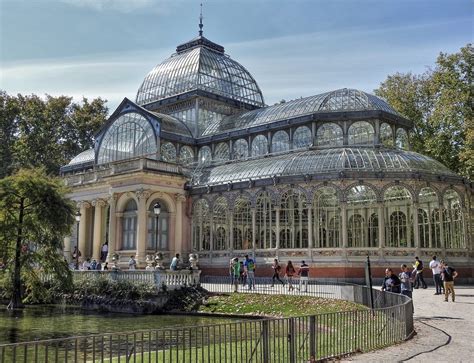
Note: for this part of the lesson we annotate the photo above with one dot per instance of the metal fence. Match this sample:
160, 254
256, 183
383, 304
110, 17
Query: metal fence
297, 339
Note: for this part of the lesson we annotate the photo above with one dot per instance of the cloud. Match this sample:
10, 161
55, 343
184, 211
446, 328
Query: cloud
124, 6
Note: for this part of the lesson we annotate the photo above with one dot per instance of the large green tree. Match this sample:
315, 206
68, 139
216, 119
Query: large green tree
35, 215
46, 132
440, 103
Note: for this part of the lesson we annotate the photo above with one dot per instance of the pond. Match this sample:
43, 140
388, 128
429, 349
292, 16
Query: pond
48, 322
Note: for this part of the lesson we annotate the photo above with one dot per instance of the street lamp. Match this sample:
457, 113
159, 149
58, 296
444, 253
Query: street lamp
156, 211
78, 219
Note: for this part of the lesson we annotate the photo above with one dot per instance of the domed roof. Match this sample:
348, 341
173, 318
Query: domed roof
83, 157
200, 65
340, 100
318, 162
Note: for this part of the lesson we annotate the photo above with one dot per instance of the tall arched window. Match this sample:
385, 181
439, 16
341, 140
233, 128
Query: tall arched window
205, 155
429, 225
326, 218
398, 211
186, 155
402, 139
168, 152
242, 223
129, 136
294, 220
240, 149
220, 224
201, 226
361, 133
386, 134
361, 202
302, 138
374, 230
423, 228
259, 145
129, 226
158, 228
222, 152
280, 142
329, 134
265, 222
453, 221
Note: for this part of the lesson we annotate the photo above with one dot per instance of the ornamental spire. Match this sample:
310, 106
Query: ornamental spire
200, 23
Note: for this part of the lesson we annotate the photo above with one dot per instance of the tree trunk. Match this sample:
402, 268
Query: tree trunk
15, 302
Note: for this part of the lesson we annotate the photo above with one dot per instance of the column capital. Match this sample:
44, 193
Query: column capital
180, 197
83, 204
99, 203
142, 194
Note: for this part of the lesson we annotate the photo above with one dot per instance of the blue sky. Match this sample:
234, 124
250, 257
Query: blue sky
293, 48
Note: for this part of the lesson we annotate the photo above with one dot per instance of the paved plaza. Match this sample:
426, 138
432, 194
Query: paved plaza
445, 331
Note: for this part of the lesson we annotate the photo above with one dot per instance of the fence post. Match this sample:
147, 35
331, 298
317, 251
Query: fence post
292, 340
266, 340
312, 337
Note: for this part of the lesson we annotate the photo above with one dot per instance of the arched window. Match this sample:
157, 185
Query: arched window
361, 133
201, 226
453, 220
158, 228
398, 211
221, 152
280, 142
326, 217
302, 138
423, 228
429, 225
129, 226
220, 224
294, 218
265, 222
374, 230
361, 206
168, 152
241, 149
259, 145
129, 136
242, 223
186, 155
386, 135
402, 139
204, 155
329, 134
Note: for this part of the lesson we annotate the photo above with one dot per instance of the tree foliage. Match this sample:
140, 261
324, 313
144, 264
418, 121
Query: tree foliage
37, 132
440, 103
34, 217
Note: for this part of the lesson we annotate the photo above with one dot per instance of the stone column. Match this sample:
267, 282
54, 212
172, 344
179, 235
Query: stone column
67, 248
83, 207
99, 205
178, 235
381, 225
142, 195
112, 227
344, 224
119, 231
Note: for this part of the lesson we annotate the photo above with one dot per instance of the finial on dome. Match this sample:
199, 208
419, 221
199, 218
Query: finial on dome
200, 23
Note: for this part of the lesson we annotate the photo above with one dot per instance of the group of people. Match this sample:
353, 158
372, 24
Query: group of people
407, 280
88, 264
243, 272
94, 265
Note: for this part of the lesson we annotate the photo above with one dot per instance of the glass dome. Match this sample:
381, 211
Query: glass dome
200, 65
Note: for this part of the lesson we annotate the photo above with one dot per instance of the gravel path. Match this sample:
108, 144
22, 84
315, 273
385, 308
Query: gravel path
445, 331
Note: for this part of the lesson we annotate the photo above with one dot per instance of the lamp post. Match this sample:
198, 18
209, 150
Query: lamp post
157, 211
78, 219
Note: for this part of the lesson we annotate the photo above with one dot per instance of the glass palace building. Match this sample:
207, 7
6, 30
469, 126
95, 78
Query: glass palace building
328, 178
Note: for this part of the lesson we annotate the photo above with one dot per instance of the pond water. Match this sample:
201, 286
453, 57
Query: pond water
48, 322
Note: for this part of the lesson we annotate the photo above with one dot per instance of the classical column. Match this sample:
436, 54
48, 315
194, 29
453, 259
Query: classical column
67, 248
381, 221
99, 205
416, 230
344, 223
277, 227
112, 227
142, 196
119, 231
83, 207
178, 235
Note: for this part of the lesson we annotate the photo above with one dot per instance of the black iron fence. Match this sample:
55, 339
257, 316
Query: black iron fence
297, 339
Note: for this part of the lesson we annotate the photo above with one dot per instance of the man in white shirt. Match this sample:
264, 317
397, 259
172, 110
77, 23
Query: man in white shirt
435, 266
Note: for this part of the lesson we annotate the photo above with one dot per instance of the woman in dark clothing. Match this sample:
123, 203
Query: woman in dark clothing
276, 272
289, 272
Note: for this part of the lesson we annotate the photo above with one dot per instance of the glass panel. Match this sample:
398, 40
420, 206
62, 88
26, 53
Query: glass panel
168, 152
327, 217
280, 142
201, 225
220, 225
302, 138
265, 222
398, 211
386, 135
259, 145
221, 151
453, 221
186, 155
293, 220
241, 149
360, 133
242, 223
204, 155
362, 226
329, 135
402, 139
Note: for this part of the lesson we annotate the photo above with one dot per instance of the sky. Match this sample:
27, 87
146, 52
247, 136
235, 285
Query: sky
293, 48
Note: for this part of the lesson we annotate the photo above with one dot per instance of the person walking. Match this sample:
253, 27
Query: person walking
249, 266
132, 264
276, 272
235, 269
289, 273
303, 272
448, 274
418, 270
391, 282
174, 263
104, 251
406, 281
435, 267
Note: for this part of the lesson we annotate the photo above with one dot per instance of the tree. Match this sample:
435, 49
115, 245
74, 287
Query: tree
46, 132
34, 217
439, 102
